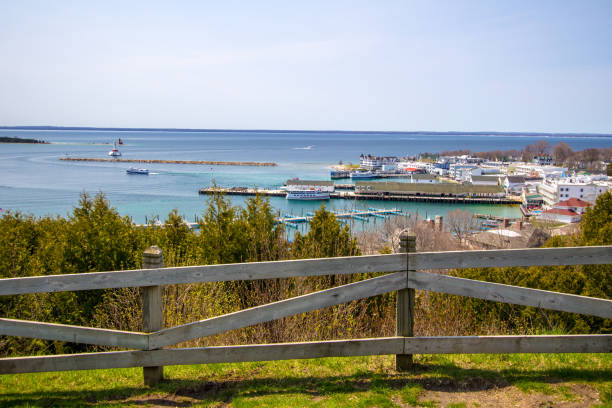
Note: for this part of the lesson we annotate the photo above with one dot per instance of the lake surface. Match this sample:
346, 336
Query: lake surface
34, 180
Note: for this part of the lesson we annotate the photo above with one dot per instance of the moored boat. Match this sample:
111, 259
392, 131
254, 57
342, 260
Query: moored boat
312, 194
134, 170
339, 174
363, 175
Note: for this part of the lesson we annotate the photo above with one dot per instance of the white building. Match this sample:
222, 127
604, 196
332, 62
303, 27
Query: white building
461, 172
367, 161
514, 184
484, 180
389, 167
573, 204
585, 188
568, 211
536, 170
423, 178
559, 215
412, 166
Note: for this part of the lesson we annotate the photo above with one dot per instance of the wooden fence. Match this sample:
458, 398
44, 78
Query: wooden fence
404, 275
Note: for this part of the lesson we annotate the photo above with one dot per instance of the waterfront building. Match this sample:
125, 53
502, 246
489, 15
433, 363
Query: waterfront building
367, 161
573, 204
461, 172
554, 190
514, 184
568, 211
389, 167
484, 180
535, 170
531, 199
382, 189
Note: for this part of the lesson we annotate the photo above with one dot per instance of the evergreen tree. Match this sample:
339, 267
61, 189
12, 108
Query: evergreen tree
326, 238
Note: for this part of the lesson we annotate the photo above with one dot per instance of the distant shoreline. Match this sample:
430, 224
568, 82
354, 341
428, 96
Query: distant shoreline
433, 133
6, 139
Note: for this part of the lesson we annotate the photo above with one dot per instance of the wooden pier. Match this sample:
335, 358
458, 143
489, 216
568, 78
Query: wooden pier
155, 161
351, 195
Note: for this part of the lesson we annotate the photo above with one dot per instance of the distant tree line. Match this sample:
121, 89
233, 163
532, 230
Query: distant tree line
562, 154
6, 139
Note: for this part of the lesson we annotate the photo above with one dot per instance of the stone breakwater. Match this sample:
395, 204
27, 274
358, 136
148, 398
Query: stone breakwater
205, 162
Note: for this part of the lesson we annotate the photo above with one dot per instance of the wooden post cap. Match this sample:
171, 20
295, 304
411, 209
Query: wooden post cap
152, 258
407, 235
407, 241
152, 252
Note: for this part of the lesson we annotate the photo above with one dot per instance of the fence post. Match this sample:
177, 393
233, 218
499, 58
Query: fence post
152, 309
404, 312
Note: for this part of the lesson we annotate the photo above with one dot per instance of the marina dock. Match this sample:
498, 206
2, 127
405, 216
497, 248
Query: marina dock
155, 161
360, 215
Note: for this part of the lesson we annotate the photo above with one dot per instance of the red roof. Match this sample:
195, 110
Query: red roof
572, 202
561, 212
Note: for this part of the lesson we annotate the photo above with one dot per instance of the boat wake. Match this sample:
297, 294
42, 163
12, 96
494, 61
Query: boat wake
304, 148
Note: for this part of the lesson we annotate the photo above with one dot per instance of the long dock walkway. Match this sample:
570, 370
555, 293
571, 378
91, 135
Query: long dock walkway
350, 195
156, 161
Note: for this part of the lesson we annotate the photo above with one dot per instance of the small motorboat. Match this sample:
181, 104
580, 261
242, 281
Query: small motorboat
134, 170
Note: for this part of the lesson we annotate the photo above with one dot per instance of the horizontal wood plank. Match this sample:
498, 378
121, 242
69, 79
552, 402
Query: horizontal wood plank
288, 351
583, 343
74, 334
277, 310
511, 294
512, 257
206, 273
307, 267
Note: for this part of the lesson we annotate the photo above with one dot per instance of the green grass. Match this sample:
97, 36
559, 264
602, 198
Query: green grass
332, 382
533, 386
456, 405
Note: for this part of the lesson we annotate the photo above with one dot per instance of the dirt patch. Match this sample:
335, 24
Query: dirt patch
157, 400
580, 396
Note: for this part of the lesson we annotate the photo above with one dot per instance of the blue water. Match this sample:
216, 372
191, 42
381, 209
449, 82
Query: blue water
34, 180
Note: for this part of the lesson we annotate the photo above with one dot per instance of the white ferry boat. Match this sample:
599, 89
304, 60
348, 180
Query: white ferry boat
360, 175
311, 194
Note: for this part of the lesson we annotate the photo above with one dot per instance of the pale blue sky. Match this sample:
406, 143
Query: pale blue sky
378, 65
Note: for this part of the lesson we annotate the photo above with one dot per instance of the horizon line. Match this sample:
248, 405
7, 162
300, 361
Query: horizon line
170, 129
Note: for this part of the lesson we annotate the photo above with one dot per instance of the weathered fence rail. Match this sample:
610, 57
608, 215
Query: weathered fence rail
405, 274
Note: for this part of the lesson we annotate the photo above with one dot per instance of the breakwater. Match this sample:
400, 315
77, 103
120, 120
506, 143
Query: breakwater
349, 195
156, 161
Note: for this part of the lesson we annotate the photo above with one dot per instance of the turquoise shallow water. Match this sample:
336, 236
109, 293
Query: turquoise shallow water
34, 180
